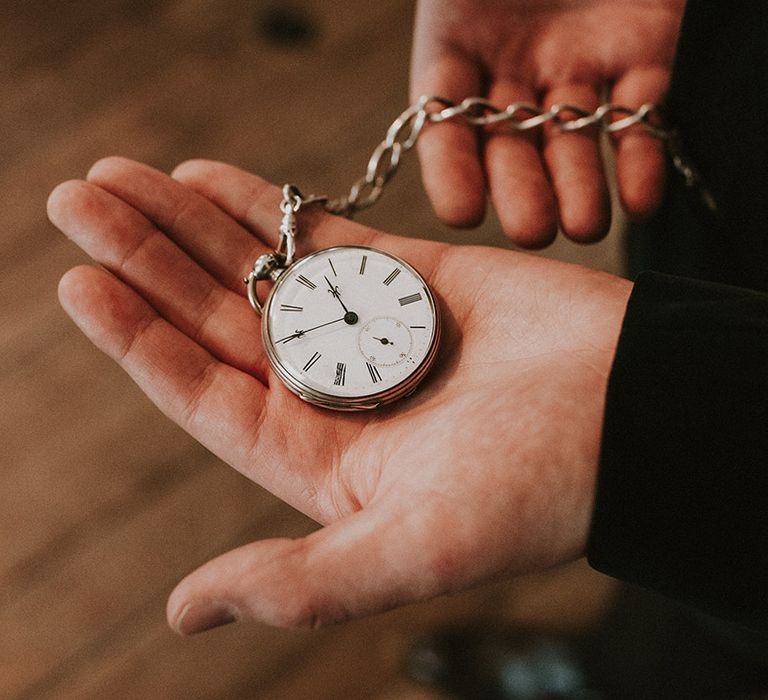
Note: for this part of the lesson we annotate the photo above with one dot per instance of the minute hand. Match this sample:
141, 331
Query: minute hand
298, 334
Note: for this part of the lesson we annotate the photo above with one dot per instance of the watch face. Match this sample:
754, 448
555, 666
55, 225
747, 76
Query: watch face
351, 327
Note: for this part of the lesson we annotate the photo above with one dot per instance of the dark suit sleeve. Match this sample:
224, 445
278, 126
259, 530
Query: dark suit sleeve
682, 494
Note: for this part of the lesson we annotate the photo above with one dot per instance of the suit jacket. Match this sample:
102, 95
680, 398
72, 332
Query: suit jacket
682, 495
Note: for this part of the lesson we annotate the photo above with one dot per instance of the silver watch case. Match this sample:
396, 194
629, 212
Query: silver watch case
350, 403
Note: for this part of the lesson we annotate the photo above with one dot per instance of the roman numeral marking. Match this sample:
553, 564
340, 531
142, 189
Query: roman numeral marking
362, 264
404, 301
330, 262
312, 361
309, 284
341, 374
374, 372
290, 307
391, 276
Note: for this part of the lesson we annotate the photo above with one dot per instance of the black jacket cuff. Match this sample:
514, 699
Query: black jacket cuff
681, 503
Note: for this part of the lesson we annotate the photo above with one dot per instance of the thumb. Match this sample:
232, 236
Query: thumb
357, 566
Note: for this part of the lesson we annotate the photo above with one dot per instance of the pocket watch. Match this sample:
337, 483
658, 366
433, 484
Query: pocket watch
348, 327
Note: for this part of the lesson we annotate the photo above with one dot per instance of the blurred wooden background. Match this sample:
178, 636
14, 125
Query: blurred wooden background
104, 504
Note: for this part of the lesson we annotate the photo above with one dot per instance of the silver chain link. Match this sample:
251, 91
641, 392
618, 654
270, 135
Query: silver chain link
477, 111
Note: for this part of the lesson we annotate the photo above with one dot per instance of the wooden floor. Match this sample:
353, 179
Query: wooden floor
104, 504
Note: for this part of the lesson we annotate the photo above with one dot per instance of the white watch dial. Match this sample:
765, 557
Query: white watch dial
351, 323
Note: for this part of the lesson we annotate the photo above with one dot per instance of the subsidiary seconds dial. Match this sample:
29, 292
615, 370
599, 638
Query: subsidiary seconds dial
351, 327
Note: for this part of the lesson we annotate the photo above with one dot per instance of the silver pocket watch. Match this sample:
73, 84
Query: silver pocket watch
347, 327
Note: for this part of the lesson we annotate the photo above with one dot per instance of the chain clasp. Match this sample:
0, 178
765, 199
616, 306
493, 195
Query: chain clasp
271, 265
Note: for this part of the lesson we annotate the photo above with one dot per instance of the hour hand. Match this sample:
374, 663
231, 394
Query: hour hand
335, 293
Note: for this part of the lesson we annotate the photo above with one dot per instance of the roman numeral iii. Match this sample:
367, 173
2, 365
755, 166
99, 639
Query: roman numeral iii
410, 299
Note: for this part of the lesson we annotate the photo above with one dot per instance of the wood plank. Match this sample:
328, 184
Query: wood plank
121, 568
95, 448
139, 656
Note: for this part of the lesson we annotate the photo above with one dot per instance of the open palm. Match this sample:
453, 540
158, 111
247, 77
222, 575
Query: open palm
486, 471
575, 52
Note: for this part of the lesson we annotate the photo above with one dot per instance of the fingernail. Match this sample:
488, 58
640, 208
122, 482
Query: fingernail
199, 617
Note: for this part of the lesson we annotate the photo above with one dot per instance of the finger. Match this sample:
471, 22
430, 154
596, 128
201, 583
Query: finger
520, 189
254, 202
576, 170
202, 230
639, 155
448, 151
217, 404
121, 239
355, 567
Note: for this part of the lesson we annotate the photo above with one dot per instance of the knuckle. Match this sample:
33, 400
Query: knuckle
296, 601
297, 612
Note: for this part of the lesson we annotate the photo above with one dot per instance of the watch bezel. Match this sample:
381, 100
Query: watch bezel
351, 403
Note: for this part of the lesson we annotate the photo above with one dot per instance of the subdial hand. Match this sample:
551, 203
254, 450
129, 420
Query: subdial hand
299, 334
384, 341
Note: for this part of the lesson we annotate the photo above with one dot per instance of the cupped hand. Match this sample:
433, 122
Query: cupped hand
487, 471
573, 51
